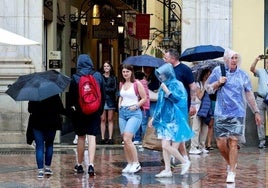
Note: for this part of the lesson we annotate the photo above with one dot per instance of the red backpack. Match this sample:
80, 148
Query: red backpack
89, 94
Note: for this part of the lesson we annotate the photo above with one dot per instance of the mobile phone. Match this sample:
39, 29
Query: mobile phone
263, 56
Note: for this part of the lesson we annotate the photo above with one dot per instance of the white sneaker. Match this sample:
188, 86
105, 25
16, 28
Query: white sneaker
185, 167
126, 169
164, 174
136, 142
204, 151
195, 151
230, 177
75, 140
135, 167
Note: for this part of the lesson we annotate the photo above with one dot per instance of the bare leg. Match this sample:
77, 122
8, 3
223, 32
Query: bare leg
91, 148
233, 152
210, 133
224, 149
111, 123
166, 157
103, 124
80, 149
182, 149
173, 150
130, 149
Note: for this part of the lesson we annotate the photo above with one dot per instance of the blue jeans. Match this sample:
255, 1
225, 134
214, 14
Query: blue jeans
129, 120
141, 131
44, 147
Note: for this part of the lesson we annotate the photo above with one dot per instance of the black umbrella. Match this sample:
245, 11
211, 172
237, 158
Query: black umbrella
38, 86
208, 64
202, 52
144, 60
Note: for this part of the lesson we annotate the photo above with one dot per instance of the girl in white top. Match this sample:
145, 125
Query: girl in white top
130, 115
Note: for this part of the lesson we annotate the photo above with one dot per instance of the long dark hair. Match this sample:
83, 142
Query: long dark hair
203, 74
112, 68
128, 67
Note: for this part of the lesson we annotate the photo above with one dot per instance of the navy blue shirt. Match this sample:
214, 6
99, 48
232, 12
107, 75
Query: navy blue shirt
184, 74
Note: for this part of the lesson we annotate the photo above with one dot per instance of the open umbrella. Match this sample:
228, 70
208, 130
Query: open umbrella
208, 64
202, 52
7, 37
38, 86
144, 60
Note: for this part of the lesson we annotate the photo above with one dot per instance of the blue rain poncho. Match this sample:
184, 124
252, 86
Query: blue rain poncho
230, 107
231, 97
170, 117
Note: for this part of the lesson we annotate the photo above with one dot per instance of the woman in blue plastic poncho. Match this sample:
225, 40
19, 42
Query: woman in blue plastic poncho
170, 118
233, 91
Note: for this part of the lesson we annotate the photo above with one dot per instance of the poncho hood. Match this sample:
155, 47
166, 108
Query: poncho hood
166, 70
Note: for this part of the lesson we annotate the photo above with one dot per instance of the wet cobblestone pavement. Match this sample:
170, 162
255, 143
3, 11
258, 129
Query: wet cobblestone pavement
18, 169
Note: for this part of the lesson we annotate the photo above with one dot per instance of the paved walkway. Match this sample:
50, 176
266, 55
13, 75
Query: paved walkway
18, 169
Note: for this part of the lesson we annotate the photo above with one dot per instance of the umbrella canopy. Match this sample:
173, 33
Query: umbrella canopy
38, 86
7, 37
144, 60
208, 64
202, 52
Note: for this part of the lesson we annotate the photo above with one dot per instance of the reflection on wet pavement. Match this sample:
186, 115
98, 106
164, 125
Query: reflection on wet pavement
18, 169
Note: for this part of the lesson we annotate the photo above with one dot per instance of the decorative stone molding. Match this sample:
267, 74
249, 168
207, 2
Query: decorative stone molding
11, 69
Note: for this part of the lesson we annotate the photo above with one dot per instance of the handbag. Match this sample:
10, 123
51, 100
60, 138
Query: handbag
150, 141
29, 133
205, 106
153, 95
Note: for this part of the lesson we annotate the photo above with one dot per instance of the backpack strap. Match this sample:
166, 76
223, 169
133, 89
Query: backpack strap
223, 71
136, 88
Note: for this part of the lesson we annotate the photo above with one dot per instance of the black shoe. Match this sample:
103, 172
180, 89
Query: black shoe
102, 142
78, 169
110, 142
91, 171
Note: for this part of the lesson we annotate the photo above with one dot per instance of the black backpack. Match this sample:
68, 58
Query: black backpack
213, 96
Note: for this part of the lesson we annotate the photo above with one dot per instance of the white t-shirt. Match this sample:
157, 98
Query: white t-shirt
129, 96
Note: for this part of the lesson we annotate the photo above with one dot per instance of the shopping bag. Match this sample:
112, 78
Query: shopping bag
150, 140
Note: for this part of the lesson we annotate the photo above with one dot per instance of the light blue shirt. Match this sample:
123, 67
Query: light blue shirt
262, 74
231, 97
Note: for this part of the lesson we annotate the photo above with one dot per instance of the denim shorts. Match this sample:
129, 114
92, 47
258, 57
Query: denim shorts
129, 120
106, 107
